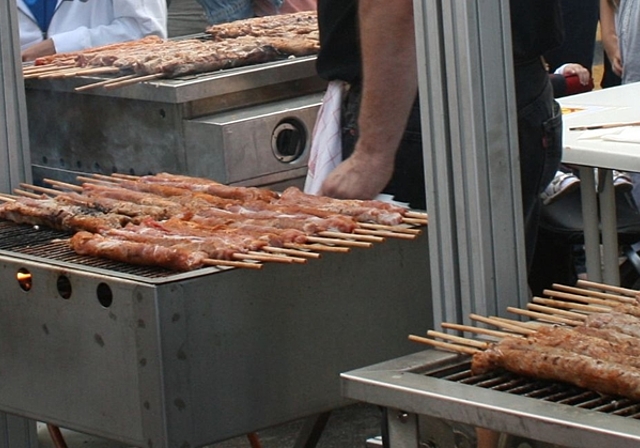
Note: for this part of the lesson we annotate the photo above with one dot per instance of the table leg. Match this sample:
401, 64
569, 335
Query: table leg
608, 221
590, 224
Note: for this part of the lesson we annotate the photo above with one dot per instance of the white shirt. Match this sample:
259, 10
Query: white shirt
80, 24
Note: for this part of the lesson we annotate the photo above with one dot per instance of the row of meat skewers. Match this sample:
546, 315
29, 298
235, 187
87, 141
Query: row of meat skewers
184, 223
587, 335
228, 45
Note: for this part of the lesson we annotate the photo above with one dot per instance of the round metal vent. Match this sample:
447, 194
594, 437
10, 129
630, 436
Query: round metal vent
289, 140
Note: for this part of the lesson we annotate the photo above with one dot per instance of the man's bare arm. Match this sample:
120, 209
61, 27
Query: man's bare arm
388, 91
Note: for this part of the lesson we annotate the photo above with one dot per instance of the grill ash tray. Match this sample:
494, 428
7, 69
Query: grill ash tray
439, 384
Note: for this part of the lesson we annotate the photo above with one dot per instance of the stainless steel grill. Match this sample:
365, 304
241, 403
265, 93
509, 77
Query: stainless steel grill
435, 384
154, 358
243, 126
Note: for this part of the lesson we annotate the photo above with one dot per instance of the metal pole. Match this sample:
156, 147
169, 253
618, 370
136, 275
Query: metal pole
14, 143
14, 168
469, 123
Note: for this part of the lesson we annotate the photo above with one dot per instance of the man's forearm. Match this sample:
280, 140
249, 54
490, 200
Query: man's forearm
389, 72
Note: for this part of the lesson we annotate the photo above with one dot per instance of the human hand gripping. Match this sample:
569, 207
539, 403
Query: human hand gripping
44, 48
575, 69
361, 176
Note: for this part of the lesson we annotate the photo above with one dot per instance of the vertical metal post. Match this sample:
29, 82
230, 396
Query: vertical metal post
14, 168
467, 99
14, 143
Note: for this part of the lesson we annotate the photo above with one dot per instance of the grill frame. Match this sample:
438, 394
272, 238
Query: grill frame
188, 361
405, 386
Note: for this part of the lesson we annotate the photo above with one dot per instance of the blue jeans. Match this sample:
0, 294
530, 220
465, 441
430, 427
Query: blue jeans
222, 11
540, 142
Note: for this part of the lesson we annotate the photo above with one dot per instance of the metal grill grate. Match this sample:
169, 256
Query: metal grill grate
551, 391
49, 244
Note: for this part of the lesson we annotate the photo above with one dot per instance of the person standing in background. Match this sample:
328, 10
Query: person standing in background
57, 26
620, 28
580, 18
381, 136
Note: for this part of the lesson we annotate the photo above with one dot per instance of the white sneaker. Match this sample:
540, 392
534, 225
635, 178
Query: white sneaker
622, 181
562, 183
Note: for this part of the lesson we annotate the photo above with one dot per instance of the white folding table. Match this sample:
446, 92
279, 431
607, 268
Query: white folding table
591, 149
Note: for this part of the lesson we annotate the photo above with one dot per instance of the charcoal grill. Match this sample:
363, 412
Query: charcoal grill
247, 126
435, 384
153, 358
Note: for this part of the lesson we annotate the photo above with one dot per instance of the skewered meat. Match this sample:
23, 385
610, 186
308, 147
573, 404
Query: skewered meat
174, 258
621, 322
246, 42
524, 357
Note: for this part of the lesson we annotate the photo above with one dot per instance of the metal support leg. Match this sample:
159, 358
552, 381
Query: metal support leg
590, 224
17, 432
608, 221
403, 429
312, 430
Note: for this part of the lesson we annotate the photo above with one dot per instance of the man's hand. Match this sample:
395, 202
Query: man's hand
361, 176
44, 48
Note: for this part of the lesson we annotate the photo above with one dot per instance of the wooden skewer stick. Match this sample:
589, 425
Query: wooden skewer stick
579, 298
530, 324
571, 305
337, 241
111, 179
555, 311
63, 185
294, 252
463, 341
618, 289
238, 264
262, 257
478, 330
94, 180
47, 73
544, 317
444, 345
126, 82
105, 82
373, 239
7, 198
419, 215
597, 294
59, 73
394, 229
385, 234
39, 189
119, 176
514, 326
97, 71
279, 257
42, 68
318, 247
416, 221
26, 194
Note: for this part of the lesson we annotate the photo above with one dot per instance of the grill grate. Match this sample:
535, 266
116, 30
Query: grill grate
551, 391
49, 244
